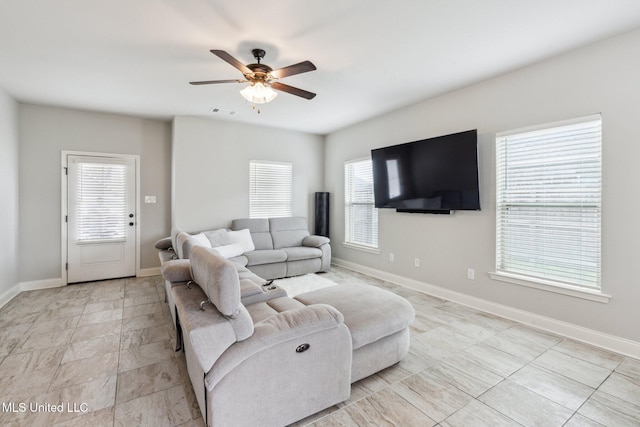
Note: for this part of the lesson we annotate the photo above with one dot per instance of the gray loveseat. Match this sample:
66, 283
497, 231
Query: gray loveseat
277, 360
283, 247
272, 248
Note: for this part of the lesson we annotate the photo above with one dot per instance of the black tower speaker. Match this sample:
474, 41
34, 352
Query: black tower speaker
322, 214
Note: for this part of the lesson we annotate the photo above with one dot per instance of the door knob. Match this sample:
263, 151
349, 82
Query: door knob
130, 215
131, 224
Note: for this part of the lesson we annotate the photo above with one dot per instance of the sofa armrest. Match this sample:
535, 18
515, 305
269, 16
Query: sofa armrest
297, 363
163, 244
315, 241
177, 270
321, 243
277, 329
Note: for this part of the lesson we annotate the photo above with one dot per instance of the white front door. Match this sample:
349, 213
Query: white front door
101, 221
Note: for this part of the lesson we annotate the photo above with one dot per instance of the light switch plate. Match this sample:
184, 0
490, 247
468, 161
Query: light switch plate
149, 199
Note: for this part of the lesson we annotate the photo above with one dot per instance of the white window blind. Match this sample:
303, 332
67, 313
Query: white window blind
549, 202
102, 202
361, 216
270, 192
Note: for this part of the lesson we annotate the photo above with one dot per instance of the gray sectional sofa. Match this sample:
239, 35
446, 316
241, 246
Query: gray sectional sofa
268, 359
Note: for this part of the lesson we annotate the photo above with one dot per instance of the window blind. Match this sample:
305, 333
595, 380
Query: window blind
102, 202
549, 202
270, 192
361, 216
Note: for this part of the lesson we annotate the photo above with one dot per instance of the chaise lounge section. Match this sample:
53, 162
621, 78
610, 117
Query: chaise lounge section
279, 360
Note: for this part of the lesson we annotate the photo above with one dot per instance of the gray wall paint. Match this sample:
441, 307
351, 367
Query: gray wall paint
600, 78
211, 169
44, 133
9, 219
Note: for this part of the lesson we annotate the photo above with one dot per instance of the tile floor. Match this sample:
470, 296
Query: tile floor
101, 354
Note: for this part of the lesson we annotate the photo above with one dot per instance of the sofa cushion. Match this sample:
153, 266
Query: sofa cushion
265, 257
301, 252
242, 238
288, 232
263, 310
259, 229
369, 312
239, 260
208, 332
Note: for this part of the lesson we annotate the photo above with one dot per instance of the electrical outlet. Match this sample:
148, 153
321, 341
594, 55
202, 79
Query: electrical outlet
416, 262
471, 274
391, 257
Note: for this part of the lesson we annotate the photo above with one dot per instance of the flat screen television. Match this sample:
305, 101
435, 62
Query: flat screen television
435, 175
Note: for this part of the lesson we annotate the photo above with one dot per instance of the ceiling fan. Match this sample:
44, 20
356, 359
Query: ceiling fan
263, 78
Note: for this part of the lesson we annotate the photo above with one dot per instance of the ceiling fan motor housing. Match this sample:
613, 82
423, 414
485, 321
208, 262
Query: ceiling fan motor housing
258, 54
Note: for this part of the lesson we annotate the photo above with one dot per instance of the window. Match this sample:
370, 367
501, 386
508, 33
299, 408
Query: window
360, 214
548, 203
270, 192
101, 202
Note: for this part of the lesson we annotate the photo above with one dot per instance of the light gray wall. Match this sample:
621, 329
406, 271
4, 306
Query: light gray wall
44, 133
211, 169
9, 219
602, 78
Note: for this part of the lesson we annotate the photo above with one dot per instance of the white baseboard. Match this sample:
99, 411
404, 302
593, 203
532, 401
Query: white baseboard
12, 292
569, 330
41, 284
146, 272
9, 294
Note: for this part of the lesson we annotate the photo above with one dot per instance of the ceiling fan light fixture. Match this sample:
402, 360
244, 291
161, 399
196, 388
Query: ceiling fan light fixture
259, 93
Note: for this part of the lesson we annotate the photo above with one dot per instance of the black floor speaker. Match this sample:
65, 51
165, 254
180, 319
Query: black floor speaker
322, 214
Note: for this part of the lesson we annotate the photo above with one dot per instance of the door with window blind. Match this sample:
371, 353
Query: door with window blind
101, 221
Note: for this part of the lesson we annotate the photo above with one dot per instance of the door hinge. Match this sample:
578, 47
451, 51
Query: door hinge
66, 266
66, 170
66, 218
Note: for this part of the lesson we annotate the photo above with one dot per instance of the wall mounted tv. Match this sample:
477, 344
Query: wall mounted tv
435, 175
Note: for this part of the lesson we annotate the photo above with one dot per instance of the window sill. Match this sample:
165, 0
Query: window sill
551, 286
362, 248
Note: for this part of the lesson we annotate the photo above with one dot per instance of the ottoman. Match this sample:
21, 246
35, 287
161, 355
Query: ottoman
377, 319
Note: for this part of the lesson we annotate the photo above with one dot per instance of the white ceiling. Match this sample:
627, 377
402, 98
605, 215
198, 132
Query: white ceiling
137, 56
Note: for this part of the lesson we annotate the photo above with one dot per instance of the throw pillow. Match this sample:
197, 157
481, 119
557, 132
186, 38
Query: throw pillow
243, 238
201, 240
229, 251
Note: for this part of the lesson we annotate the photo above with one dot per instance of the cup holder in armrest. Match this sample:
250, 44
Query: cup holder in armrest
269, 286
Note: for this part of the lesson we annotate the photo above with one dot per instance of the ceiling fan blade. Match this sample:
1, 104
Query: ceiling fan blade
299, 68
293, 90
231, 60
210, 82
